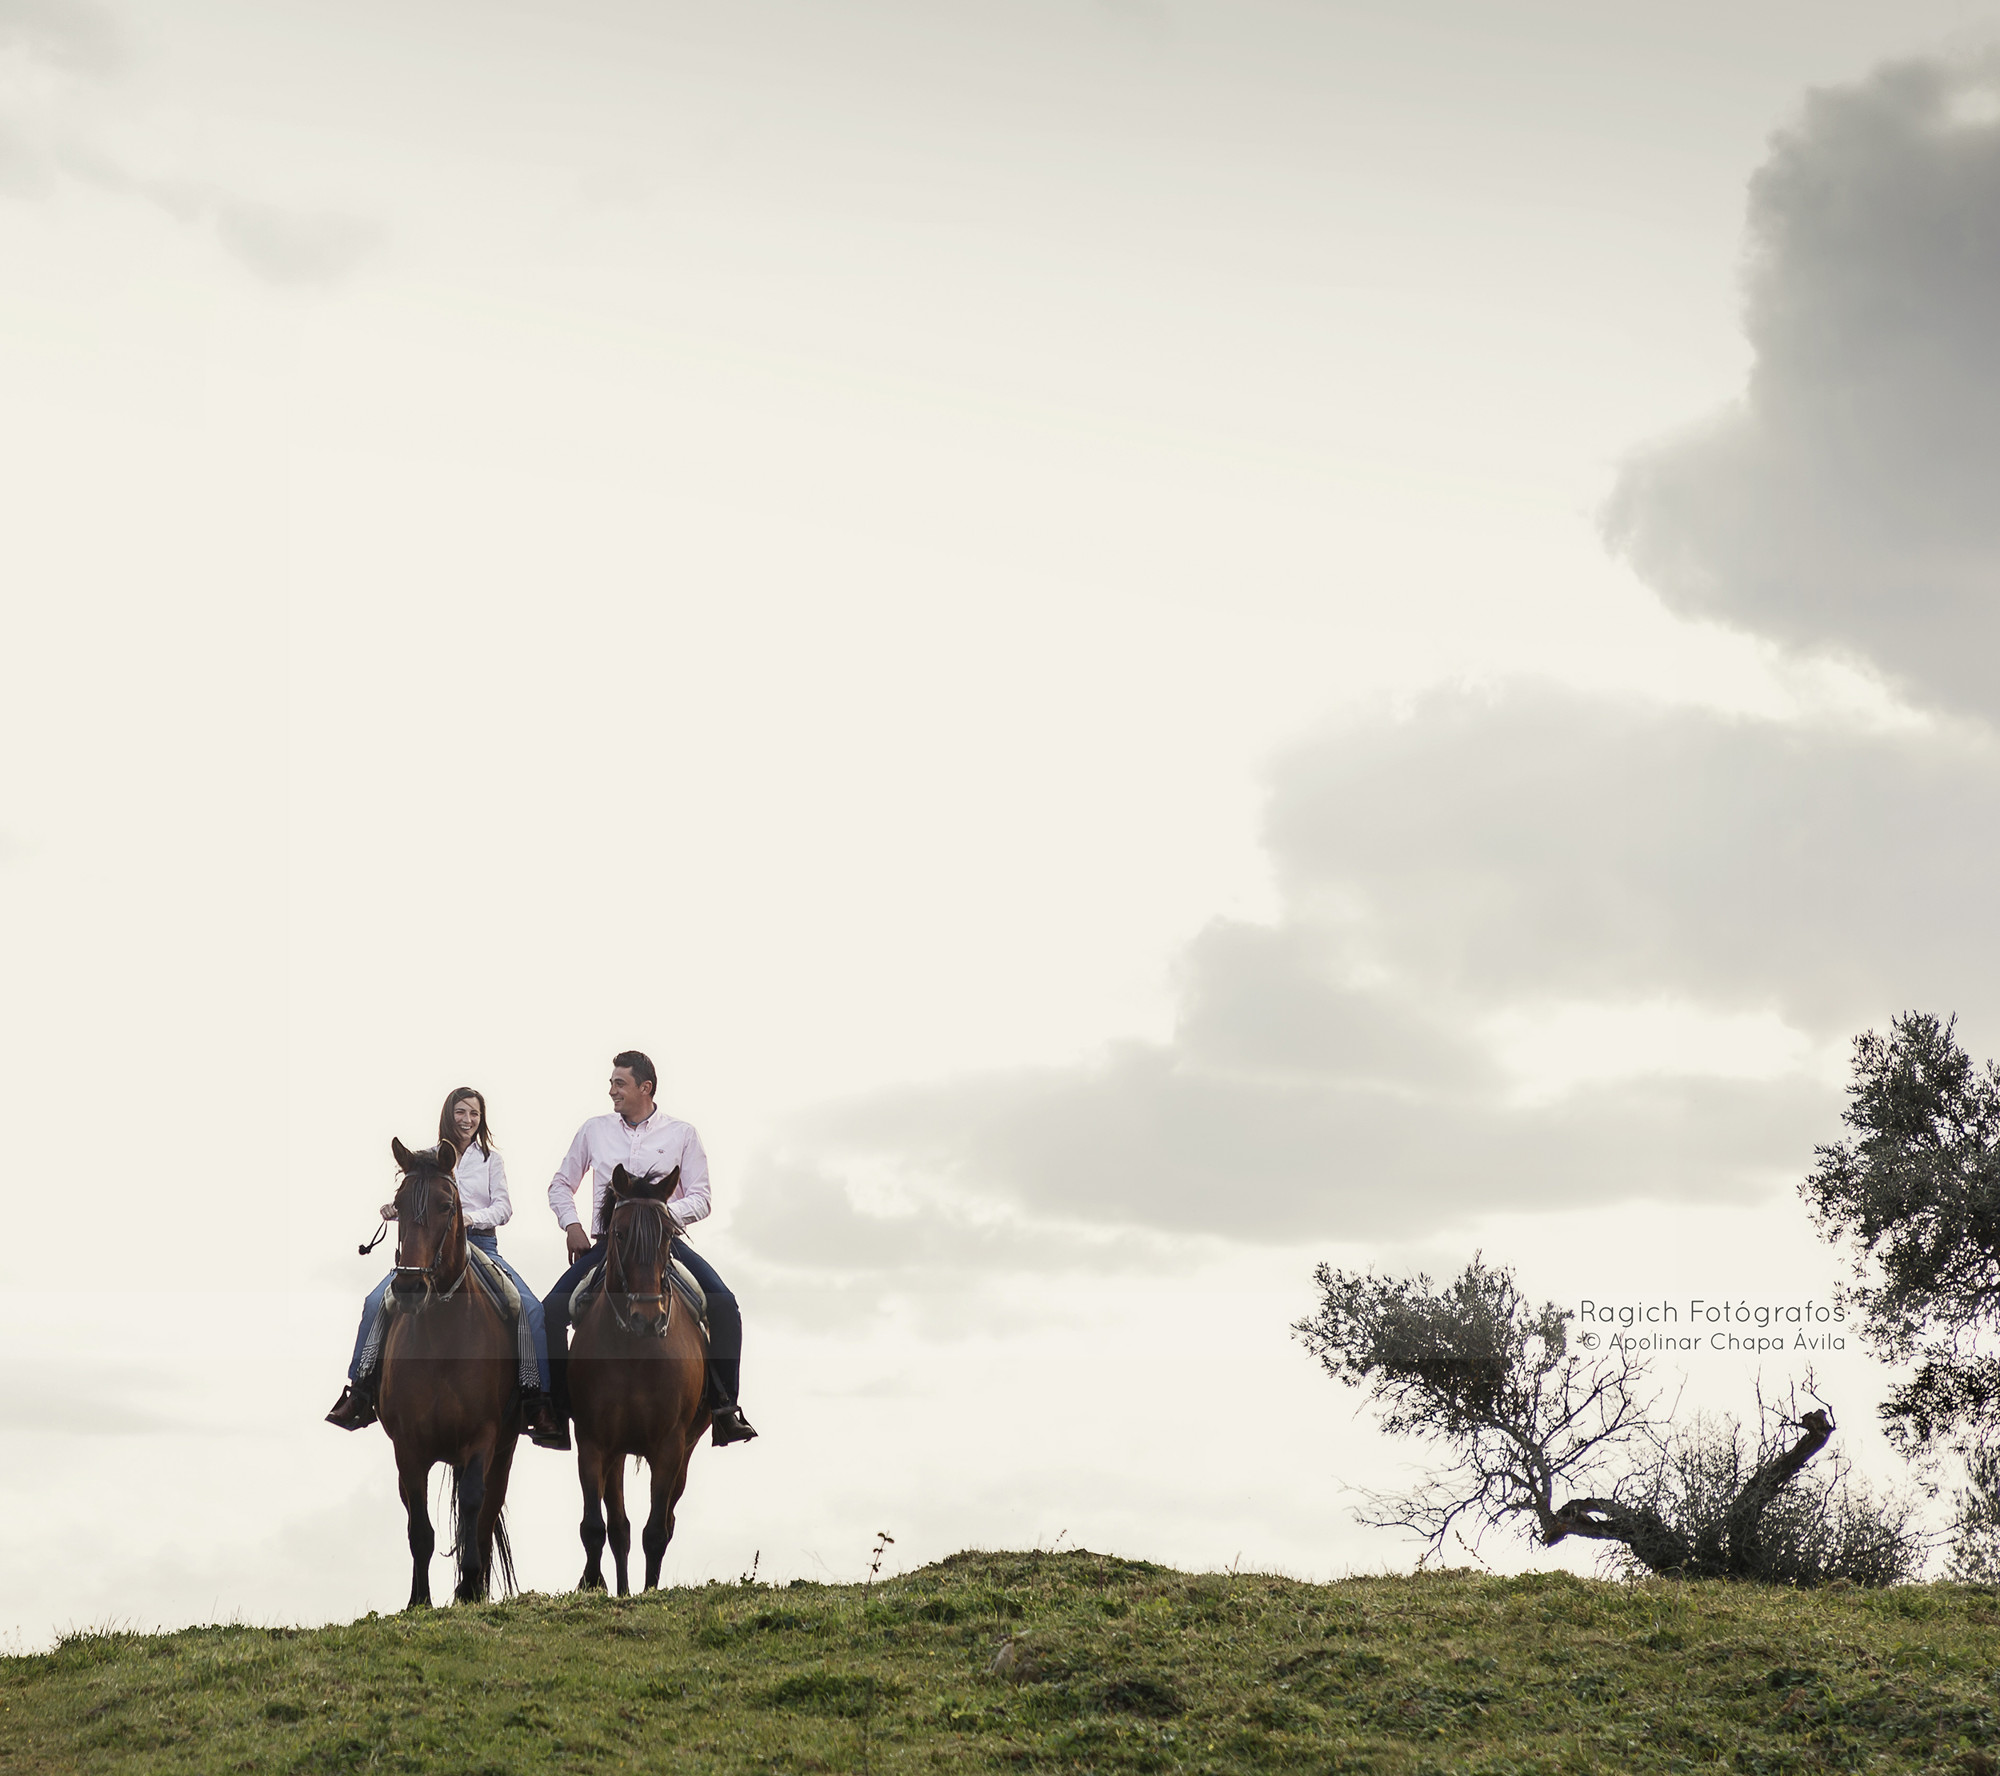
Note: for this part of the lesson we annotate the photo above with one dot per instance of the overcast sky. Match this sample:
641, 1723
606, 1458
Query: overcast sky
1142, 641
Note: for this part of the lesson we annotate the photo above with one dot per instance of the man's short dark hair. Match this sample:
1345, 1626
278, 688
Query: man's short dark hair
638, 1066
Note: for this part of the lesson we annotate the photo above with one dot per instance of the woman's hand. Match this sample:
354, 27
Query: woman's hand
388, 1211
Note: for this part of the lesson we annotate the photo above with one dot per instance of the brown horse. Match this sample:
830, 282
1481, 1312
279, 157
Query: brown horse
449, 1370
636, 1373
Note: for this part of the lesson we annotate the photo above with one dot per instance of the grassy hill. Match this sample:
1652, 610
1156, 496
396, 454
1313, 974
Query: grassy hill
1115, 1665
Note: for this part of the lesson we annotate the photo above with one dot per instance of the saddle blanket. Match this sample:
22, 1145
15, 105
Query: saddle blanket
499, 1289
678, 1274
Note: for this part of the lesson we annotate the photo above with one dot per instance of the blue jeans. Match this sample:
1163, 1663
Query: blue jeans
486, 1240
725, 1320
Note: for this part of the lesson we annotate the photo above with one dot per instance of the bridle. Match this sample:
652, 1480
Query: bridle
447, 1248
614, 1256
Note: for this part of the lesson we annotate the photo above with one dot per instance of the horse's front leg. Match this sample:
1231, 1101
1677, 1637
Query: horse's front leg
620, 1525
668, 1466
470, 1481
413, 1477
590, 1471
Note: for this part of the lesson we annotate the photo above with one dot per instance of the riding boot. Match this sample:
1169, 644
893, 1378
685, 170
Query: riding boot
546, 1428
725, 1369
355, 1408
729, 1425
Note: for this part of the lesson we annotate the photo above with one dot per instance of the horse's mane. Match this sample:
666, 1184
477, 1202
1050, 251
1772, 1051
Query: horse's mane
641, 1235
425, 1169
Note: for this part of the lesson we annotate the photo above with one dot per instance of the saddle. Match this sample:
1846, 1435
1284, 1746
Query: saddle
679, 1278
492, 1282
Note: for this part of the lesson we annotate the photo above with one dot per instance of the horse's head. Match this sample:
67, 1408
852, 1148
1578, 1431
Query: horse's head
639, 1226
430, 1224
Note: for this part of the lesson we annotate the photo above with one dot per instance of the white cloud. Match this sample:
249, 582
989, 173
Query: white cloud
65, 34
61, 48
1708, 903
1464, 880
1541, 845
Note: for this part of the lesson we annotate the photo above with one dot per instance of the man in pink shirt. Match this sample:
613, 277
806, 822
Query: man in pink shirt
647, 1142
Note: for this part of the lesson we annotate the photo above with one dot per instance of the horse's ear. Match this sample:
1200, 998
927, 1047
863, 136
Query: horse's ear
404, 1157
447, 1157
621, 1180
671, 1182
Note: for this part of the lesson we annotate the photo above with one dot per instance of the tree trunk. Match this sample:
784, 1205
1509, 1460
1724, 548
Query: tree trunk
1662, 1549
1746, 1514
1654, 1543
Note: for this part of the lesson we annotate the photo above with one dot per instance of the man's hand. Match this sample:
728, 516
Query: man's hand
579, 1241
388, 1211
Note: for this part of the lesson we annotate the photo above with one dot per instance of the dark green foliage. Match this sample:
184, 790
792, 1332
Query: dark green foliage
1822, 1526
1915, 1192
1487, 1379
1975, 1522
1454, 1360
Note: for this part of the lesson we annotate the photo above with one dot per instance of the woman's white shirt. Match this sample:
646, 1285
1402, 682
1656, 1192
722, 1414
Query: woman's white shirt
482, 1189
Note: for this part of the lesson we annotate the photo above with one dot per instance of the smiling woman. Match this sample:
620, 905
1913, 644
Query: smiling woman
465, 1149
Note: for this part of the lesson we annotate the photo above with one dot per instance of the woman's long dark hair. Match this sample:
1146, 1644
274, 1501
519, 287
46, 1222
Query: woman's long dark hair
448, 1131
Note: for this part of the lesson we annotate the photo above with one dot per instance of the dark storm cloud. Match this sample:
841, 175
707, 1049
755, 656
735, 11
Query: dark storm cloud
1847, 504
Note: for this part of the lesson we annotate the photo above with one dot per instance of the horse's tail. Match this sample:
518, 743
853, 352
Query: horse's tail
462, 1530
465, 1535
503, 1557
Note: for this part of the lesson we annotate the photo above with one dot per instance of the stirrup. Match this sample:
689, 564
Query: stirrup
355, 1409
730, 1426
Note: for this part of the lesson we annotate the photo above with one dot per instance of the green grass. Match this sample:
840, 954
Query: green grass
1118, 1665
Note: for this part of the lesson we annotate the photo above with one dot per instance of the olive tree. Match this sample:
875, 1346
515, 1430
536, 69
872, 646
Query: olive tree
1530, 1435
1913, 1193
1975, 1522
